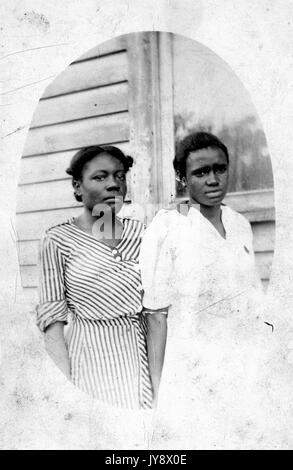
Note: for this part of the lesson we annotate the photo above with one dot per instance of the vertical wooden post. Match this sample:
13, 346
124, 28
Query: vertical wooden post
151, 119
166, 81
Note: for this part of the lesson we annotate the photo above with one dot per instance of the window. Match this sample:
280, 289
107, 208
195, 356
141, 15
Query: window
207, 95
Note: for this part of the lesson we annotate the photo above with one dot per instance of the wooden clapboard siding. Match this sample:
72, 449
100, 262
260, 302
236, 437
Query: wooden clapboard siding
258, 207
264, 244
46, 167
28, 252
264, 241
29, 276
251, 201
48, 195
263, 235
108, 47
76, 134
32, 226
90, 74
87, 103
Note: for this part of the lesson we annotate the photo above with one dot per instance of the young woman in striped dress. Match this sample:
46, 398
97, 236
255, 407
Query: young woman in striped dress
90, 279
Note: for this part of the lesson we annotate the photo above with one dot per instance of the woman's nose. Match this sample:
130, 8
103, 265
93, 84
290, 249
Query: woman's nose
212, 178
112, 184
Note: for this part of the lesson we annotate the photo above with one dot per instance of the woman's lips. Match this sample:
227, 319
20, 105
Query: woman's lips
214, 194
112, 198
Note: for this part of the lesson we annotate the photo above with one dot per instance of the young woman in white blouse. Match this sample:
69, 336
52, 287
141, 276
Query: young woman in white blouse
203, 298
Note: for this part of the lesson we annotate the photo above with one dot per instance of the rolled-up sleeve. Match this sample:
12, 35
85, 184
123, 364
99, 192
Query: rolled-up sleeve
52, 305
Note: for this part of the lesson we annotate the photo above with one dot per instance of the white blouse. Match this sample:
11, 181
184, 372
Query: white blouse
184, 260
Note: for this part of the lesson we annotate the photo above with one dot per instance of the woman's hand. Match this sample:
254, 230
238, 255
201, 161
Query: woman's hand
56, 347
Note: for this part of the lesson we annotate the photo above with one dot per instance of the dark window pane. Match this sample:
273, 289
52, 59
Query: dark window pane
209, 96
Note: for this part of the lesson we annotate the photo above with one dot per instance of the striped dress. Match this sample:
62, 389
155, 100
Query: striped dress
97, 290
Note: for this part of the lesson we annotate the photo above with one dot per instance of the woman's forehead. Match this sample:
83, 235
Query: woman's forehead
103, 162
206, 156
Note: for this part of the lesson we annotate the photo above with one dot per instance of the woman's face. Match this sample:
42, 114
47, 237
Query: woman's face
207, 176
103, 182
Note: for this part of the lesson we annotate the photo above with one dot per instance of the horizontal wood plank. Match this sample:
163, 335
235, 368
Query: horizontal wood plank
81, 105
48, 195
45, 167
262, 215
251, 201
28, 252
29, 276
90, 74
72, 135
32, 226
263, 236
50, 166
107, 47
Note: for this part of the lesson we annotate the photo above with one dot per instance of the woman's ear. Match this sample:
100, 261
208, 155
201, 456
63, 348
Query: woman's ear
183, 182
77, 188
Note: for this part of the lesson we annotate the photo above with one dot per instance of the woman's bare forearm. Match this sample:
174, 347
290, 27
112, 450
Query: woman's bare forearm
156, 344
56, 347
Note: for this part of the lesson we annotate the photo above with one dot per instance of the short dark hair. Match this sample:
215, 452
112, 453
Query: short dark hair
192, 143
86, 154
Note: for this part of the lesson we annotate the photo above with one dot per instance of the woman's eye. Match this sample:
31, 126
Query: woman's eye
220, 169
202, 172
99, 178
121, 177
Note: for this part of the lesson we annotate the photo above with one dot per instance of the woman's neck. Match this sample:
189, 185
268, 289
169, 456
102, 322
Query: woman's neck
212, 213
86, 220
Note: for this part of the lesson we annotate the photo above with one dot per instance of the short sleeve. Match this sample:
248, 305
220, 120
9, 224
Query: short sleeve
168, 261
53, 306
156, 265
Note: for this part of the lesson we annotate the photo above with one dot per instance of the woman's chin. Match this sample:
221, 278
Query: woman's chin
213, 199
209, 202
108, 205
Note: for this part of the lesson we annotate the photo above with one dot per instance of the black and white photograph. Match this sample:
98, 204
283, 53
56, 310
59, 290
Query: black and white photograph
147, 244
